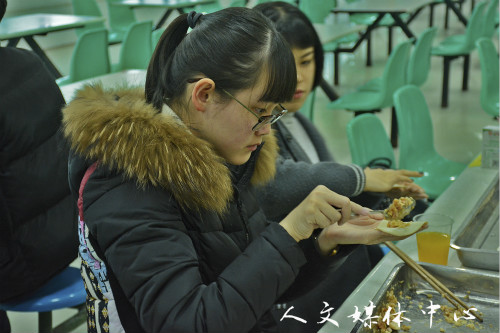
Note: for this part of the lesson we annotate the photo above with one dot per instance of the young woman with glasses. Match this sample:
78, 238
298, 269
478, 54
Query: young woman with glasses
172, 238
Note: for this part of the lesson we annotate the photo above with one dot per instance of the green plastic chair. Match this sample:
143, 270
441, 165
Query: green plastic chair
135, 52
378, 93
457, 46
420, 59
90, 8
308, 108
488, 58
369, 143
237, 3
416, 143
155, 38
120, 17
490, 17
90, 57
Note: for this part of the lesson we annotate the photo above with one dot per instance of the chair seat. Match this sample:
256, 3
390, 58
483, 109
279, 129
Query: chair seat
358, 101
439, 173
64, 290
115, 37
453, 45
372, 85
491, 107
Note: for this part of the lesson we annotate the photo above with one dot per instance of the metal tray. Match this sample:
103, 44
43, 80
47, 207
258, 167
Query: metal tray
476, 288
477, 241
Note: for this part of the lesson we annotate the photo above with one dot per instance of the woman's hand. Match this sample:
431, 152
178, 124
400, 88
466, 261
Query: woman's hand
383, 180
407, 190
318, 210
358, 230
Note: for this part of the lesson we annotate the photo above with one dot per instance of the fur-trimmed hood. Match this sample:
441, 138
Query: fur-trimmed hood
123, 132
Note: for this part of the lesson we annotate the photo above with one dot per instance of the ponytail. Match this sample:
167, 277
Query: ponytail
162, 58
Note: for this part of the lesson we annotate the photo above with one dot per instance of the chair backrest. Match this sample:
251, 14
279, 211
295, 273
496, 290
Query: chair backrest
135, 52
89, 8
474, 29
416, 136
308, 108
394, 76
237, 3
420, 58
317, 10
120, 17
369, 142
155, 38
489, 22
90, 56
488, 59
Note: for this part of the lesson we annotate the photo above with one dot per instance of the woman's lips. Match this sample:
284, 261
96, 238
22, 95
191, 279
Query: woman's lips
252, 147
298, 94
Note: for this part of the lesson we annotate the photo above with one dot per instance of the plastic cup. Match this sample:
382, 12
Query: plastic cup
434, 242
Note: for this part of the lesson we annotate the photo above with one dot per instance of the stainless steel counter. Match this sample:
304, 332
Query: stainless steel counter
461, 201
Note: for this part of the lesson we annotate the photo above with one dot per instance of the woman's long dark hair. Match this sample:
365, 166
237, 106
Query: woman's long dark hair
232, 47
297, 29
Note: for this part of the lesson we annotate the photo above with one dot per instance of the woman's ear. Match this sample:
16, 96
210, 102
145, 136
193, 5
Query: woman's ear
203, 93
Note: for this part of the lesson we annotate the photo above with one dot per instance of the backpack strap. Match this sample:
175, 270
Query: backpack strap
85, 179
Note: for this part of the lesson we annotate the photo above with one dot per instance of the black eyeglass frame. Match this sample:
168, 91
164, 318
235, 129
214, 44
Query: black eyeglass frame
262, 120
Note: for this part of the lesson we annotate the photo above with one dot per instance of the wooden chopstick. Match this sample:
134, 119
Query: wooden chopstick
435, 283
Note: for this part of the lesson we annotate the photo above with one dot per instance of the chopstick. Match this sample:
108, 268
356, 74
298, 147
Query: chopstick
435, 283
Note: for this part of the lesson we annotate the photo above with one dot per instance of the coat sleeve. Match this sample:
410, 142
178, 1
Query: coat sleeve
295, 180
153, 258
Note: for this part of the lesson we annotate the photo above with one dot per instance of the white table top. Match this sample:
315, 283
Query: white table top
133, 77
36, 24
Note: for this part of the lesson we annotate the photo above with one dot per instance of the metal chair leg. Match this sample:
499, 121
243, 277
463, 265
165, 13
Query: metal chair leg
465, 79
446, 77
389, 40
446, 16
394, 128
45, 322
431, 15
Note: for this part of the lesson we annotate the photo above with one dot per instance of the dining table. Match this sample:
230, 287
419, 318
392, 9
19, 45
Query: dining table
129, 78
168, 5
26, 27
397, 9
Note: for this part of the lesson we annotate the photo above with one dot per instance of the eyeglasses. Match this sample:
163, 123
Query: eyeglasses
262, 120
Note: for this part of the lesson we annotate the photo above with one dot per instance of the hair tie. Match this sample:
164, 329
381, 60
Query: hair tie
192, 18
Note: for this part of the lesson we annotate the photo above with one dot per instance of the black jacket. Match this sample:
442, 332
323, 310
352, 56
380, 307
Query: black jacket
37, 230
185, 244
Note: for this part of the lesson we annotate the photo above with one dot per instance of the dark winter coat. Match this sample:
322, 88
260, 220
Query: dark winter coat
170, 234
37, 212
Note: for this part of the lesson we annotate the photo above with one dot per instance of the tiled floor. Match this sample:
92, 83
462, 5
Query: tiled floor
457, 129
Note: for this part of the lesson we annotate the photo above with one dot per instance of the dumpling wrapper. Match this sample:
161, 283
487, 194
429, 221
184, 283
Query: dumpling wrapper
411, 228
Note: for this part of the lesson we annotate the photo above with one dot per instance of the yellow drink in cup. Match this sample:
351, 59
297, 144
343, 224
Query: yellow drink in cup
434, 243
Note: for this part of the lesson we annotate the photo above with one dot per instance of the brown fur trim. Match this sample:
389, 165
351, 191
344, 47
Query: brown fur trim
122, 131
265, 167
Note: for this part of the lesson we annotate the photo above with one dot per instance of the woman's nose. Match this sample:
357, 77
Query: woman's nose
266, 129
